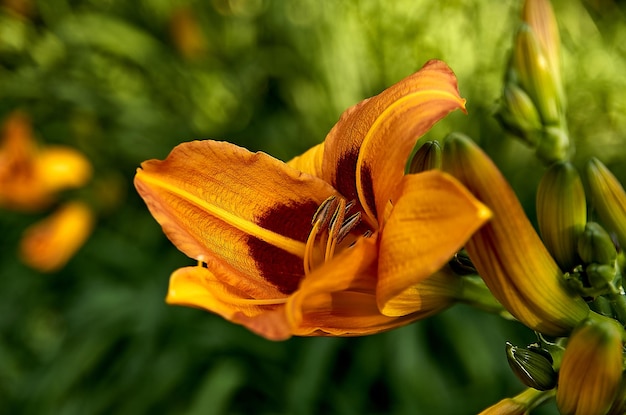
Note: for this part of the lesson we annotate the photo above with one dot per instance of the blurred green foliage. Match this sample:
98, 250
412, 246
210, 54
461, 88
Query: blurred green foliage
126, 81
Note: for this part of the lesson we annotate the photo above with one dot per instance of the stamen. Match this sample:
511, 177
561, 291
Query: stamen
349, 205
348, 225
310, 245
331, 227
336, 222
321, 214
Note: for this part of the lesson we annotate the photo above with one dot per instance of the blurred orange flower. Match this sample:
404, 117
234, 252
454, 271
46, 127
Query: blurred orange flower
334, 242
187, 34
30, 175
47, 245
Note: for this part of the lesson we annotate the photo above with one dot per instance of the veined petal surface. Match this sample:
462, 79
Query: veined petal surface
374, 138
431, 220
218, 292
219, 203
339, 298
310, 161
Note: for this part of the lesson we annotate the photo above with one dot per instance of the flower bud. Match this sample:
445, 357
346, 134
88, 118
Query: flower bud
536, 76
600, 276
427, 157
507, 252
518, 114
602, 305
595, 245
538, 14
561, 212
591, 370
521, 404
532, 367
619, 405
608, 198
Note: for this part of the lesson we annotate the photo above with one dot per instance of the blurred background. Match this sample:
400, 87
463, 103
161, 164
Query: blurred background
124, 81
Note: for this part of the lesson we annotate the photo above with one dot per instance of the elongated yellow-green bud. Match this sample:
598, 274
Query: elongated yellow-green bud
561, 212
608, 198
536, 76
521, 404
531, 366
507, 252
596, 246
427, 157
538, 14
591, 371
518, 114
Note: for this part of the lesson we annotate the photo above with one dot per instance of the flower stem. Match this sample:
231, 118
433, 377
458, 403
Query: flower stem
474, 292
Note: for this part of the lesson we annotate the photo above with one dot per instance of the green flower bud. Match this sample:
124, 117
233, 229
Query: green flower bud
608, 198
532, 367
427, 157
562, 212
536, 75
596, 246
602, 305
591, 370
517, 113
600, 276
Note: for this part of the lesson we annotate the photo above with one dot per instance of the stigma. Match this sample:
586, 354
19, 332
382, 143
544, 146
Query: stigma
331, 224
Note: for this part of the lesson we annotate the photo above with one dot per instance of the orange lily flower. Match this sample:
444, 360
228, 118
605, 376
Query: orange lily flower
30, 177
336, 242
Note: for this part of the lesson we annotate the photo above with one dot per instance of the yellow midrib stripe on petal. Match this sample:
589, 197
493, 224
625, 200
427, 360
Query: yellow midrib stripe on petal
374, 128
280, 241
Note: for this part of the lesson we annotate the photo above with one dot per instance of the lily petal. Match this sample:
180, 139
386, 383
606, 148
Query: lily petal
374, 138
310, 161
221, 204
431, 220
201, 288
428, 297
338, 299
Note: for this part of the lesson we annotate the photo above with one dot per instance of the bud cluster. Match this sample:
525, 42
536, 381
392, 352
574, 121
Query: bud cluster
567, 283
532, 107
588, 251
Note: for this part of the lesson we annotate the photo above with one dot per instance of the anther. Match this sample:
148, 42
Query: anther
330, 226
336, 222
322, 212
348, 225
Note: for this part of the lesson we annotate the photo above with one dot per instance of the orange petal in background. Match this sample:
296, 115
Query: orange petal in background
49, 244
